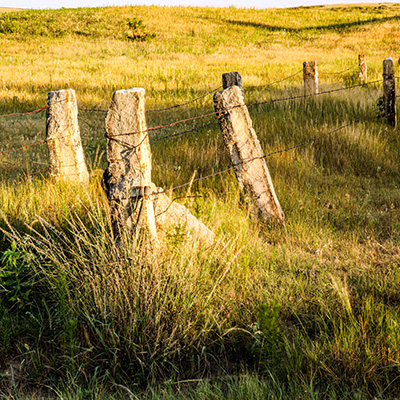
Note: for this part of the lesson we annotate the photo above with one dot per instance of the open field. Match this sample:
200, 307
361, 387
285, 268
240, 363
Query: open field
307, 311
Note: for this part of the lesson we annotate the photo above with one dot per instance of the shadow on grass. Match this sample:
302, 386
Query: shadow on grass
339, 27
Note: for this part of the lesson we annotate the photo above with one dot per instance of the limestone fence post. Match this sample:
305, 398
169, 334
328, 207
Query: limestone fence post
389, 91
127, 179
63, 137
310, 77
246, 154
362, 68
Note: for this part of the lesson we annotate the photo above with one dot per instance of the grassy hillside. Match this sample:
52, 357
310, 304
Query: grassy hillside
308, 311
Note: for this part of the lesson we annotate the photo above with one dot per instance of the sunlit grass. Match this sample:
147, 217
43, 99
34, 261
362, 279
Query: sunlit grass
306, 311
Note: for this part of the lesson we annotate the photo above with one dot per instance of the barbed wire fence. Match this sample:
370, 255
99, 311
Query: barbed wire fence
43, 171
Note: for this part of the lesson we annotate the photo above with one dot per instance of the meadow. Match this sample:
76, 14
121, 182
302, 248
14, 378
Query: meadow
309, 310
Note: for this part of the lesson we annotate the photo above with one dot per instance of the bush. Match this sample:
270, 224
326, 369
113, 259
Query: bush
137, 31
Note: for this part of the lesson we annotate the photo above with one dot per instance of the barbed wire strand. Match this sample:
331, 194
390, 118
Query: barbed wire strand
303, 96
184, 132
175, 199
156, 139
273, 83
338, 73
266, 155
92, 110
23, 147
26, 113
166, 108
39, 110
185, 104
26, 175
12, 166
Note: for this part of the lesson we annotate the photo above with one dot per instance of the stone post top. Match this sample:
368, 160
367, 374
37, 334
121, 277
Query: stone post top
233, 94
388, 67
61, 91
132, 90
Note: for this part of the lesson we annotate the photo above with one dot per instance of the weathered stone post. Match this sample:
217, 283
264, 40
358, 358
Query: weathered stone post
389, 91
127, 179
310, 77
246, 154
362, 68
232, 79
63, 137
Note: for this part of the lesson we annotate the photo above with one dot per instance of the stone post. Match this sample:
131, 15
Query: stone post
232, 79
127, 180
63, 137
362, 68
389, 91
246, 154
310, 77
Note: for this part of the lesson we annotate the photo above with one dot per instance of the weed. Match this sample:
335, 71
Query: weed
15, 280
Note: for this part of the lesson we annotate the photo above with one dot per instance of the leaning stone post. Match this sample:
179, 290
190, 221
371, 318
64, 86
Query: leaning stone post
127, 179
362, 68
63, 137
310, 77
246, 154
389, 91
232, 79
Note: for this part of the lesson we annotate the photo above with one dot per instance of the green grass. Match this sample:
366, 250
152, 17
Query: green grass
309, 310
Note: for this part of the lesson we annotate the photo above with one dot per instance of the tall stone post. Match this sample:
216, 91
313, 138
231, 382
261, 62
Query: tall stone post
310, 77
232, 79
246, 154
389, 91
127, 180
63, 137
362, 68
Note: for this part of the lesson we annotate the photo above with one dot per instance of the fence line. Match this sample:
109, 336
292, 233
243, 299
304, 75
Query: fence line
230, 168
208, 93
215, 90
266, 155
172, 124
192, 118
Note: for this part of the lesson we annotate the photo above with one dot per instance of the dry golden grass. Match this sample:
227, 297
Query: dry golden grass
194, 46
312, 307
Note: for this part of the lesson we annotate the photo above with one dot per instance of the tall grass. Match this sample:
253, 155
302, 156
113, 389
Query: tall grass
309, 310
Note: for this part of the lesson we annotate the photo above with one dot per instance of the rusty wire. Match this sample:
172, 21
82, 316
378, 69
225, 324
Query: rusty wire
199, 128
28, 175
39, 110
23, 147
303, 96
172, 124
338, 73
313, 139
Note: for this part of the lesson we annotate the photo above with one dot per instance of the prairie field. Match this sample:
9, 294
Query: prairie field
308, 310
